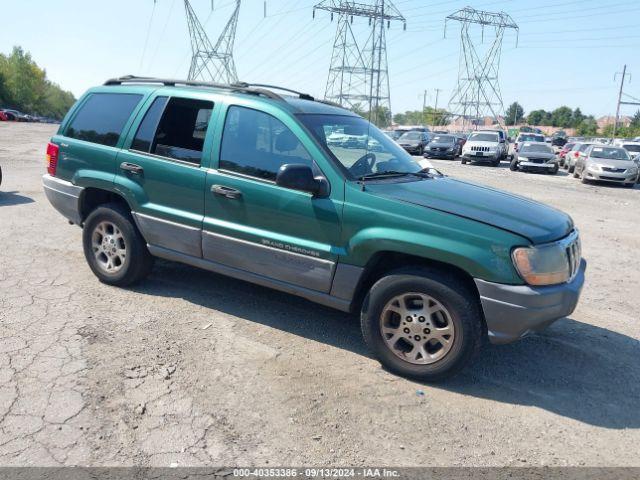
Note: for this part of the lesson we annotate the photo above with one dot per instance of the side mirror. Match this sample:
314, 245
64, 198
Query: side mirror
300, 177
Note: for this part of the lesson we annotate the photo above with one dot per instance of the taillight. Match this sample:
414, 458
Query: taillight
52, 158
577, 154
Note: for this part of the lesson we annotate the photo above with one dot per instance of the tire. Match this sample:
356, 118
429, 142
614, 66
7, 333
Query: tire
463, 313
554, 170
495, 163
572, 169
109, 222
464, 161
513, 166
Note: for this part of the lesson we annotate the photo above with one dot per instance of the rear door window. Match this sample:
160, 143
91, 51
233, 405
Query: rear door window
256, 144
175, 128
102, 117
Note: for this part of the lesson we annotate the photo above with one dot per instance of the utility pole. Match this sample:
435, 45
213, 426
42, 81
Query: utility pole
209, 62
438, 90
358, 74
478, 89
615, 124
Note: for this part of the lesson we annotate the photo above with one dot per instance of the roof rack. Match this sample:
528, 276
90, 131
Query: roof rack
244, 87
169, 82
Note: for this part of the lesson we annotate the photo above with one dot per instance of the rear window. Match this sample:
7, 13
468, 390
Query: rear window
102, 117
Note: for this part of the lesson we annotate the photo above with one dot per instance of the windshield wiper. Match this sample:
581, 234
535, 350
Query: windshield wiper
387, 173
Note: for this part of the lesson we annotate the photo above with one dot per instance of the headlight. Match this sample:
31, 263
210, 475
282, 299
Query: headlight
542, 265
595, 167
523, 159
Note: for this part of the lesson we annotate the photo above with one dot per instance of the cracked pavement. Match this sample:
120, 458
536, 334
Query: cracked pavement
191, 368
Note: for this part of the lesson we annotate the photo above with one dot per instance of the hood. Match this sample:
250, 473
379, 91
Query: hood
481, 144
605, 162
535, 221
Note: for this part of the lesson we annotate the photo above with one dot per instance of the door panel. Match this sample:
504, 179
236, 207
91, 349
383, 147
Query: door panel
256, 226
275, 232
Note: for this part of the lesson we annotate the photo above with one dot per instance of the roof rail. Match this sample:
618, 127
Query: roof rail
251, 88
193, 83
303, 96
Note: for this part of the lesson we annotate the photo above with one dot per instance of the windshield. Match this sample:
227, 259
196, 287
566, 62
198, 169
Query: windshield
632, 148
609, 153
531, 138
443, 139
536, 148
483, 137
411, 136
373, 153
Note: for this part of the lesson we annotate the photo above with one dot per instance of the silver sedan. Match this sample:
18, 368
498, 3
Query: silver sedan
607, 164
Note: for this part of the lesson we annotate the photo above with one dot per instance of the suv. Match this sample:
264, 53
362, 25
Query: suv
242, 181
483, 147
504, 146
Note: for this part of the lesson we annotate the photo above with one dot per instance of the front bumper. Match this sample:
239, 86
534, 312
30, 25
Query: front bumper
486, 157
412, 149
440, 153
514, 311
542, 166
613, 177
64, 196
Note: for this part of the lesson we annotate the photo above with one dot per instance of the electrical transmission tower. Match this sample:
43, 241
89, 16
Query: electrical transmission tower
358, 74
209, 62
477, 93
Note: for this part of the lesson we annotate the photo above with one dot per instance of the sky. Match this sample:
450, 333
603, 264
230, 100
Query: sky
568, 52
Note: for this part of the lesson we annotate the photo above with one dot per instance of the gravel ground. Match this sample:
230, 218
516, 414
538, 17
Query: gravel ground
191, 368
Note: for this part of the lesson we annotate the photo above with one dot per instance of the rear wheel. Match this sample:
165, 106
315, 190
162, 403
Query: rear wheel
115, 251
422, 323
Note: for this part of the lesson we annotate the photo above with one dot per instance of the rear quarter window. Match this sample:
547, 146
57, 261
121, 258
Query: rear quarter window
102, 117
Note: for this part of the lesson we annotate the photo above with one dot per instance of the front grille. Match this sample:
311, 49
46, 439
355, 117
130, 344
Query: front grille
574, 254
613, 170
479, 149
537, 160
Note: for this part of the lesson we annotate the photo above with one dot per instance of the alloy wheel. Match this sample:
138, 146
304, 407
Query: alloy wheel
417, 328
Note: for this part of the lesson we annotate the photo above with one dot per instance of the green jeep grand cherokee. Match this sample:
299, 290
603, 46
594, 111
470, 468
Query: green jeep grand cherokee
242, 181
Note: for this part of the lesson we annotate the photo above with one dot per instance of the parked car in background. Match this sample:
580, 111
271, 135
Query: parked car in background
502, 135
535, 156
563, 152
632, 147
559, 139
606, 164
11, 117
3, 117
527, 137
572, 157
414, 142
275, 205
17, 115
443, 146
483, 147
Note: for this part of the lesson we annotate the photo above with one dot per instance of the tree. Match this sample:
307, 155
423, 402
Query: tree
514, 114
562, 117
576, 118
24, 86
537, 117
635, 121
587, 127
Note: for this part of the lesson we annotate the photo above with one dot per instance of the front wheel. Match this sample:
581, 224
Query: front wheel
422, 323
513, 166
115, 251
464, 161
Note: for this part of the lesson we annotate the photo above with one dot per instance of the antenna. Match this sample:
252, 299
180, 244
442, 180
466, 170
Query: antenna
358, 74
478, 91
209, 62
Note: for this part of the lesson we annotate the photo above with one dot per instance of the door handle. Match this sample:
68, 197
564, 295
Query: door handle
226, 192
131, 167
